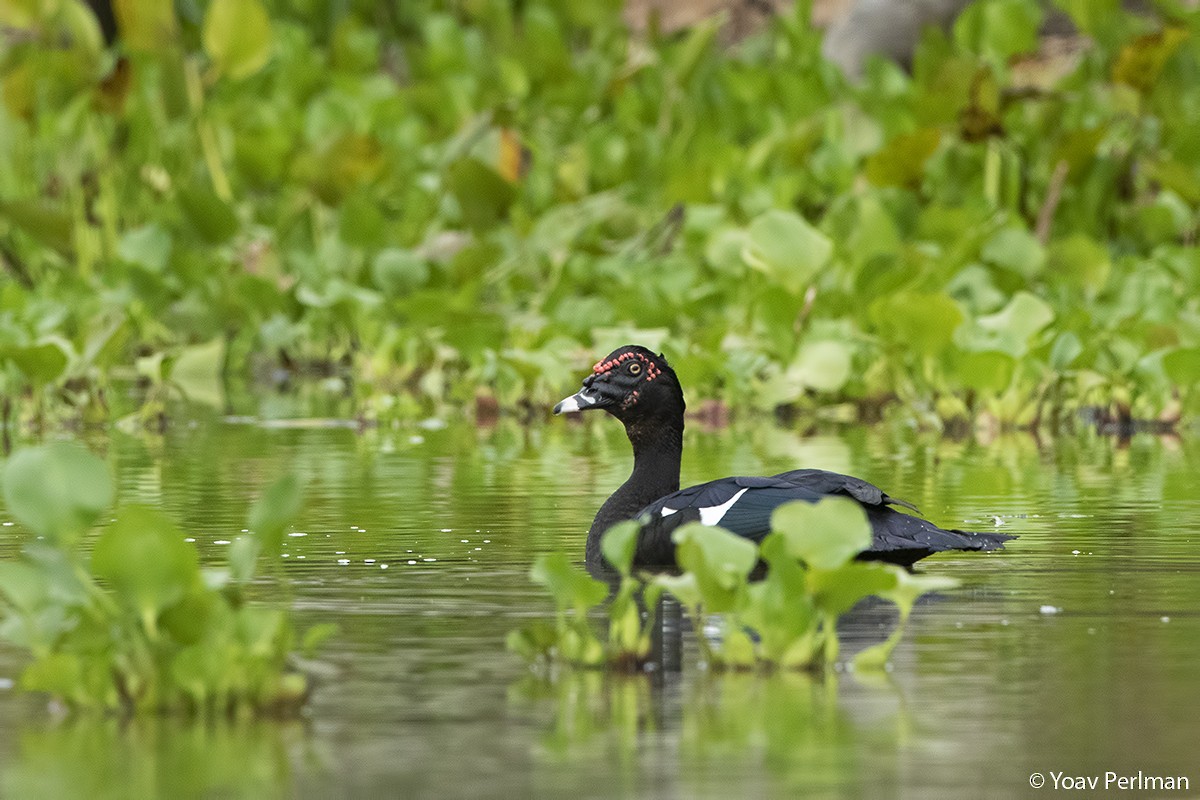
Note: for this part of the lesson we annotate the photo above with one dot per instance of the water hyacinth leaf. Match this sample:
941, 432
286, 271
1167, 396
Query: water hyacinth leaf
683, 587
824, 365
1100, 19
1080, 260
146, 25
570, 586
45, 223
901, 162
924, 322
42, 363
533, 641
482, 193
189, 619
148, 246
724, 554
985, 371
619, 543
209, 215
57, 490
274, 510
237, 37
837, 590
1141, 61
1009, 329
24, 587
145, 560
243, 558
1182, 366
261, 630
59, 674
823, 535
909, 587
197, 370
784, 246
719, 560
1016, 249
999, 29
396, 272
780, 608
1066, 349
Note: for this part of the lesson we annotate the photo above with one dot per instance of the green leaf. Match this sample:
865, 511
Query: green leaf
780, 608
1182, 366
197, 370
784, 246
1016, 249
720, 560
148, 246
985, 371
532, 641
570, 586
823, 535
725, 554
684, 588
923, 322
836, 591
901, 162
1080, 261
822, 365
999, 29
57, 490
1010, 329
146, 561
273, 512
210, 216
1066, 349
619, 543
42, 221
910, 586
237, 37
25, 587
42, 363
243, 558
1141, 60
146, 25
482, 193
397, 272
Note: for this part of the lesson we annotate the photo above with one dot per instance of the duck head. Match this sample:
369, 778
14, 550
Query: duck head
631, 383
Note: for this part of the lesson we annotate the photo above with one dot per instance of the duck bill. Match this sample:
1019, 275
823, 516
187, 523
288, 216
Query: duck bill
583, 400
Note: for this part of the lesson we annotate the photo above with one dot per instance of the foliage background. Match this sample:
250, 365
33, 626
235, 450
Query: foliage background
440, 202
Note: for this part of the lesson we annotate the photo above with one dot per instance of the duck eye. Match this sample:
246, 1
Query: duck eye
635, 369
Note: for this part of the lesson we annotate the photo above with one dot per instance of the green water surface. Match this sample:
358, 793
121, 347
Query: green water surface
1075, 650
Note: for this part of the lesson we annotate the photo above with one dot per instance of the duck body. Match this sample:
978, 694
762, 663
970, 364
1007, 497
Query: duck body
640, 389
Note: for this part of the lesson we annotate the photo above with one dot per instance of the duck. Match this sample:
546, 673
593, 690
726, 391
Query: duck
641, 390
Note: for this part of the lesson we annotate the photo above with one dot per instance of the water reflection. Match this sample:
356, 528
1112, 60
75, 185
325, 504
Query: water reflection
153, 757
784, 730
424, 697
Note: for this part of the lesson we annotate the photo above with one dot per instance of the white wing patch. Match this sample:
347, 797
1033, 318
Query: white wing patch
714, 514
666, 512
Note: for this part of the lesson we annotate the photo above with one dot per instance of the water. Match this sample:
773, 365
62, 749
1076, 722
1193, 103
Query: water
1074, 651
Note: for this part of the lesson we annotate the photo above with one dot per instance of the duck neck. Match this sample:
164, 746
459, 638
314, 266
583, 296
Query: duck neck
657, 450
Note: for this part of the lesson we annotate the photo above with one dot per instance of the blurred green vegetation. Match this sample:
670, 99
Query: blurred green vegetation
442, 202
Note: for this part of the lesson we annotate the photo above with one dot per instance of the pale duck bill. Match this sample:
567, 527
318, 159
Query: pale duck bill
582, 400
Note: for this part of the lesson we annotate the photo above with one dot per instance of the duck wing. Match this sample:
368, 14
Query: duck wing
743, 505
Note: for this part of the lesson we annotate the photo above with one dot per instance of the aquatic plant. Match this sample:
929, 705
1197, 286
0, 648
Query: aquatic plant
458, 201
134, 622
786, 618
